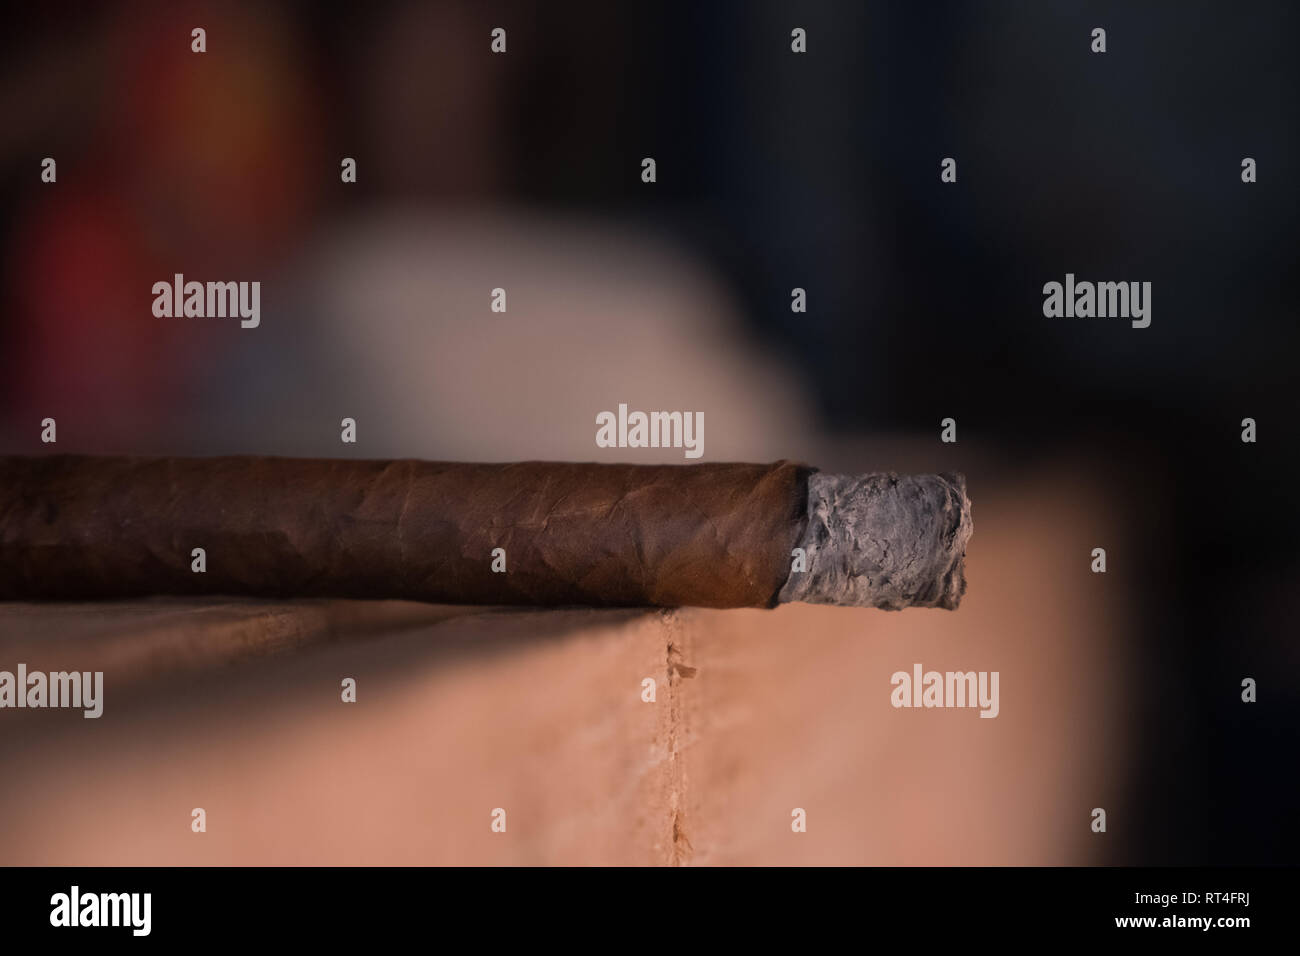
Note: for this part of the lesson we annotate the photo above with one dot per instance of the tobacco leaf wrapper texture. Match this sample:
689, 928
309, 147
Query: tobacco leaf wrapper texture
707, 535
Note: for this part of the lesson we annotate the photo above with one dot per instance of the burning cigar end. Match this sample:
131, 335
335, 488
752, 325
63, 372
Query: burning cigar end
883, 540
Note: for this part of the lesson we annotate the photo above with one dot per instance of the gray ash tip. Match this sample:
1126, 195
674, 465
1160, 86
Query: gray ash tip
885, 541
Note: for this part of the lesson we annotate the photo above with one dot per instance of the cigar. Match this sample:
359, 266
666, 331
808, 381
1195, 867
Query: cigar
535, 533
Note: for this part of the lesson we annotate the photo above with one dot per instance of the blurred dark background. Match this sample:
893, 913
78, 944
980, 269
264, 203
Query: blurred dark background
775, 170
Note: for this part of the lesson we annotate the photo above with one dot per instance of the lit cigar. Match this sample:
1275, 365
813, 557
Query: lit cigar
536, 533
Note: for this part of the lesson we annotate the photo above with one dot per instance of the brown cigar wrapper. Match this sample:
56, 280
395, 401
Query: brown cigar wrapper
708, 535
